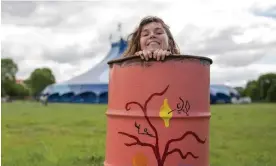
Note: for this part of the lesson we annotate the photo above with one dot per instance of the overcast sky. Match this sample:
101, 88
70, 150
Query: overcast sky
71, 37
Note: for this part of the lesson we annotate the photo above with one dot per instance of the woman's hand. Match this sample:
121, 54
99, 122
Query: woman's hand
145, 54
158, 54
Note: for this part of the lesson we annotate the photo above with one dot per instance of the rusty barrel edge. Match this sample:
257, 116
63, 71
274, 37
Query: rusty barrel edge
158, 112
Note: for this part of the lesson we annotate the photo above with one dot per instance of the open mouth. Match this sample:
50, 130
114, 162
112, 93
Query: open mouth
153, 42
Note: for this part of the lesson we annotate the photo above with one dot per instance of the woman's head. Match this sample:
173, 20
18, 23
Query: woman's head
151, 34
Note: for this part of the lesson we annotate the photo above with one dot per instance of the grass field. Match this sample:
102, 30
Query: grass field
74, 135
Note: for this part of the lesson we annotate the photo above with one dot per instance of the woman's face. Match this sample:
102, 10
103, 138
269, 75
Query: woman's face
153, 37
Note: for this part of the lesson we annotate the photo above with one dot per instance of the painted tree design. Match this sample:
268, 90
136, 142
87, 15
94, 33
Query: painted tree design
161, 158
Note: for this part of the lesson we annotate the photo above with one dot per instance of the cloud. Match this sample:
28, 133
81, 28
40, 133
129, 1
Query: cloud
39, 13
238, 76
232, 46
71, 37
17, 9
267, 11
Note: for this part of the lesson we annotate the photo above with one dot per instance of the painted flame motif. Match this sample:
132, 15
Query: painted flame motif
164, 113
139, 160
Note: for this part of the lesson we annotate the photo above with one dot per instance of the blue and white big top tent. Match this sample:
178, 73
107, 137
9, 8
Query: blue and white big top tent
91, 86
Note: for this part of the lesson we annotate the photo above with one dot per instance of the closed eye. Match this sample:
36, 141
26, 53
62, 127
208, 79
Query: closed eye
159, 31
145, 34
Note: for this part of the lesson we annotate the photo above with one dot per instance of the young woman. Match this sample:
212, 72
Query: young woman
152, 39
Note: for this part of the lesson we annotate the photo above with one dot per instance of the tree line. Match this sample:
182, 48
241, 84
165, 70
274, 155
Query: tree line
259, 90
262, 89
32, 86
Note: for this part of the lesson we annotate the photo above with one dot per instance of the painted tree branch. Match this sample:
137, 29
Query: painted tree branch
157, 152
181, 107
138, 126
176, 150
127, 106
144, 109
153, 95
138, 142
165, 154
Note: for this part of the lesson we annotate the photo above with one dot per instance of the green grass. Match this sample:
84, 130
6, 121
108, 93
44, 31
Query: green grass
74, 135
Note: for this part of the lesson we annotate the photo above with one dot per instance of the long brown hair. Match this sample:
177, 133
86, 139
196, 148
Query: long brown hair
134, 38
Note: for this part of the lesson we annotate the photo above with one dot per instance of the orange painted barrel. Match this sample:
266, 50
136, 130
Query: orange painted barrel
158, 112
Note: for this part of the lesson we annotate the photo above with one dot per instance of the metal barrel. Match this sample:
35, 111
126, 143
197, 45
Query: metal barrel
158, 112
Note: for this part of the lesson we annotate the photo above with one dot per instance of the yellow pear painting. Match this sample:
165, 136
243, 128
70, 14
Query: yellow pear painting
166, 113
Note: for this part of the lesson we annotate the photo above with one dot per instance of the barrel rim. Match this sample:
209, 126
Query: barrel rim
181, 56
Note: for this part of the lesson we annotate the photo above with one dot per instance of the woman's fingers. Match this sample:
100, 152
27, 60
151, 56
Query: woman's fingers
168, 53
140, 53
150, 54
155, 53
164, 54
158, 54
147, 54
161, 54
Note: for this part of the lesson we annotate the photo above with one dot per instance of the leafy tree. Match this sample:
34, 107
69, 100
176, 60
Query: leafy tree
8, 71
265, 81
20, 91
241, 91
271, 93
262, 89
39, 79
252, 90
